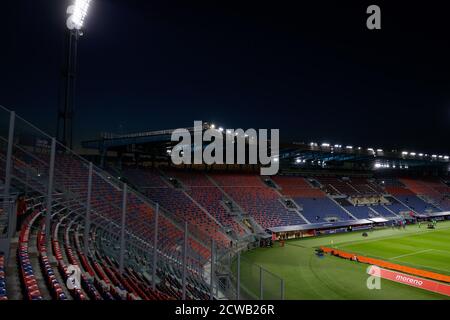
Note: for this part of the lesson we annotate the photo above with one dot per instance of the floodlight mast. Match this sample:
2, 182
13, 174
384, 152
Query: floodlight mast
77, 13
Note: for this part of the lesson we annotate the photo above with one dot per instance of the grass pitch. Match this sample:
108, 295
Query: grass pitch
310, 277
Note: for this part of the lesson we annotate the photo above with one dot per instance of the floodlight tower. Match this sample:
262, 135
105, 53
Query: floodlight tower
77, 13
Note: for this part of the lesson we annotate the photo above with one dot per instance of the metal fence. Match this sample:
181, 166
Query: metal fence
130, 226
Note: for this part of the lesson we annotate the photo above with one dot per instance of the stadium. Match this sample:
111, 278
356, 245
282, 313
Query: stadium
220, 231
111, 216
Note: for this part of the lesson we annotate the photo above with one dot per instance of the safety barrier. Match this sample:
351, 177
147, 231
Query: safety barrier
388, 265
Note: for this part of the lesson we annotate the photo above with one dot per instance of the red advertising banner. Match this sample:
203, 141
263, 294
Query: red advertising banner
407, 279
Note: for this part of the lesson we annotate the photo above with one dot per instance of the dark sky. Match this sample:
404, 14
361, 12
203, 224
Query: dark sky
310, 68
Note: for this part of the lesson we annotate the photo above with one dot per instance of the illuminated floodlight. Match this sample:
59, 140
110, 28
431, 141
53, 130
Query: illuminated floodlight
349, 147
446, 157
326, 145
377, 165
379, 150
221, 129
228, 131
413, 154
434, 156
213, 126
440, 156
405, 153
420, 154
78, 12
298, 160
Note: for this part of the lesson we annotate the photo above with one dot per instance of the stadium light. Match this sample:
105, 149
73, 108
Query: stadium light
221, 129
78, 12
413, 154
349, 147
213, 126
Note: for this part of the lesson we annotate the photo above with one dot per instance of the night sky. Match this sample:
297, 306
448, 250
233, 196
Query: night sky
310, 68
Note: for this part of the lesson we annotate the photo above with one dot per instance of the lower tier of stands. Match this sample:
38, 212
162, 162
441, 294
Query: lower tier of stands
317, 210
417, 204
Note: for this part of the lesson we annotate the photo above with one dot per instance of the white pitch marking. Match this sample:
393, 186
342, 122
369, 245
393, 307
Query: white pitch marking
411, 254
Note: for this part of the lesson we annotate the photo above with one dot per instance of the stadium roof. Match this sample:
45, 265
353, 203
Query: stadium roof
298, 155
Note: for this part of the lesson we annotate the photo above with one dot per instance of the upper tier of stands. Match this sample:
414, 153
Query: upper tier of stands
297, 187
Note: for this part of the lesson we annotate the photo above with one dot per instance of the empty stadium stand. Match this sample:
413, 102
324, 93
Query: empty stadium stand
55, 236
259, 201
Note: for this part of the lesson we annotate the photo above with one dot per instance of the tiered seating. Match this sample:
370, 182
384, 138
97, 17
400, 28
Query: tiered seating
396, 206
107, 199
320, 209
202, 190
398, 191
432, 189
362, 186
175, 201
365, 211
375, 186
417, 204
145, 178
384, 211
3, 295
26, 272
335, 186
260, 201
52, 282
297, 187
76, 293
361, 212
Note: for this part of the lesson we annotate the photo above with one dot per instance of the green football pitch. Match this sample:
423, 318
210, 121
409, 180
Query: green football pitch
307, 276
